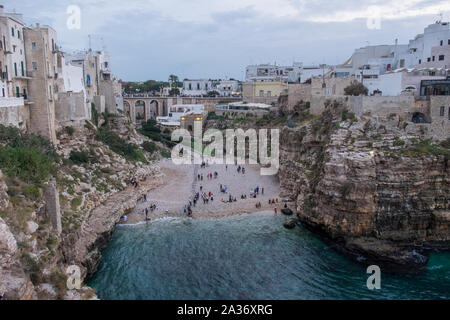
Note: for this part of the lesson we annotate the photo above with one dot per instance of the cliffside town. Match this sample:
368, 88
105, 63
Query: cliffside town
368, 171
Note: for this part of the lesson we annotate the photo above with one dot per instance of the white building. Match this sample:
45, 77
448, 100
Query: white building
272, 72
13, 63
196, 88
177, 111
227, 88
431, 48
402, 81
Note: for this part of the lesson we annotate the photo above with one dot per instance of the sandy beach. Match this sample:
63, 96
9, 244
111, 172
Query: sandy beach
180, 182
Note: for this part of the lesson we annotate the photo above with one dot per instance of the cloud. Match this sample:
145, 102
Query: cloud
205, 38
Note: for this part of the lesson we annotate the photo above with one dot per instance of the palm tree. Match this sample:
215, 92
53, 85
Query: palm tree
173, 79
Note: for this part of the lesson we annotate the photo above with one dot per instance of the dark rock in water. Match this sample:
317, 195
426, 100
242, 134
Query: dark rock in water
287, 211
290, 224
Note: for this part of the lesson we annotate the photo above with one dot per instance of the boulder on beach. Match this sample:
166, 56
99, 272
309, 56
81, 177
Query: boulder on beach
287, 211
290, 224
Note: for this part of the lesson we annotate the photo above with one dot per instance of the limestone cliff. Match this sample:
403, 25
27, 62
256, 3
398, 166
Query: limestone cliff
90, 193
373, 186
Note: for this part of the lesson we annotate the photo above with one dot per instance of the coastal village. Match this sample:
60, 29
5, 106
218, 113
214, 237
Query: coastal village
364, 153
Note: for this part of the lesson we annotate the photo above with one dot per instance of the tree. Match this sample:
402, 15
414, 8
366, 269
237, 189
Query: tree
356, 89
213, 93
174, 92
173, 79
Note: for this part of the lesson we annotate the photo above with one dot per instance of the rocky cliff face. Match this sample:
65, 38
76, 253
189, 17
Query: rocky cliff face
378, 192
93, 192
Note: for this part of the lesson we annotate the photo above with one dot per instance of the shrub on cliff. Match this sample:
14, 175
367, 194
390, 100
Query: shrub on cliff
149, 146
26, 163
30, 158
79, 157
356, 89
152, 131
129, 151
11, 136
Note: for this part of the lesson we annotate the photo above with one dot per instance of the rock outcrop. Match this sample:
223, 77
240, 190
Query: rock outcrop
14, 283
356, 182
84, 247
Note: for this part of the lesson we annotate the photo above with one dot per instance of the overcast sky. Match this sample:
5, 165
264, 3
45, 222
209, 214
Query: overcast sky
150, 39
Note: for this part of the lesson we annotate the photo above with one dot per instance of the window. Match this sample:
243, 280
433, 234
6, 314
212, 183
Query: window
35, 66
402, 63
198, 86
50, 91
449, 42
433, 58
261, 93
12, 31
428, 59
15, 69
441, 57
420, 61
269, 93
22, 68
17, 92
3, 92
88, 80
442, 111
18, 34
448, 113
33, 46
442, 43
190, 86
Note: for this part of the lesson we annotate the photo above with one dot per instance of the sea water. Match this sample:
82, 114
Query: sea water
245, 258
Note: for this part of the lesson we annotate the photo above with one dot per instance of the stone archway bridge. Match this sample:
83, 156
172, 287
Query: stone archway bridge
159, 106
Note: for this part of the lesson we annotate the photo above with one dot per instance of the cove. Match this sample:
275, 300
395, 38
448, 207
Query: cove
245, 258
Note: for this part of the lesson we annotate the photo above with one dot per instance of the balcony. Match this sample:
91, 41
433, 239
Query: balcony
24, 76
11, 102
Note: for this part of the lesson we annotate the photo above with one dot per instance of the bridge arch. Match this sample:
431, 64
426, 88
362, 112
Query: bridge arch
126, 107
154, 108
139, 106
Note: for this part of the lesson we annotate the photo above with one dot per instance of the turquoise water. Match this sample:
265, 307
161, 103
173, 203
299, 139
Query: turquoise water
245, 258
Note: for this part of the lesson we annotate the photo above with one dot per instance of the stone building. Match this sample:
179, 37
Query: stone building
40, 45
263, 91
13, 61
99, 80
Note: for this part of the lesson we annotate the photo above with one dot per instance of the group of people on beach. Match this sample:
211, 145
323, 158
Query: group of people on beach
209, 176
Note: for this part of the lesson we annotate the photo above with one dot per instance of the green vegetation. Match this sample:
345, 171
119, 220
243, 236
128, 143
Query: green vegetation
425, 148
94, 114
398, 142
346, 115
75, 203
28, 157
152, 131
69, 130
79, 157
150, 86
128, 150
356, 89
149, 146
